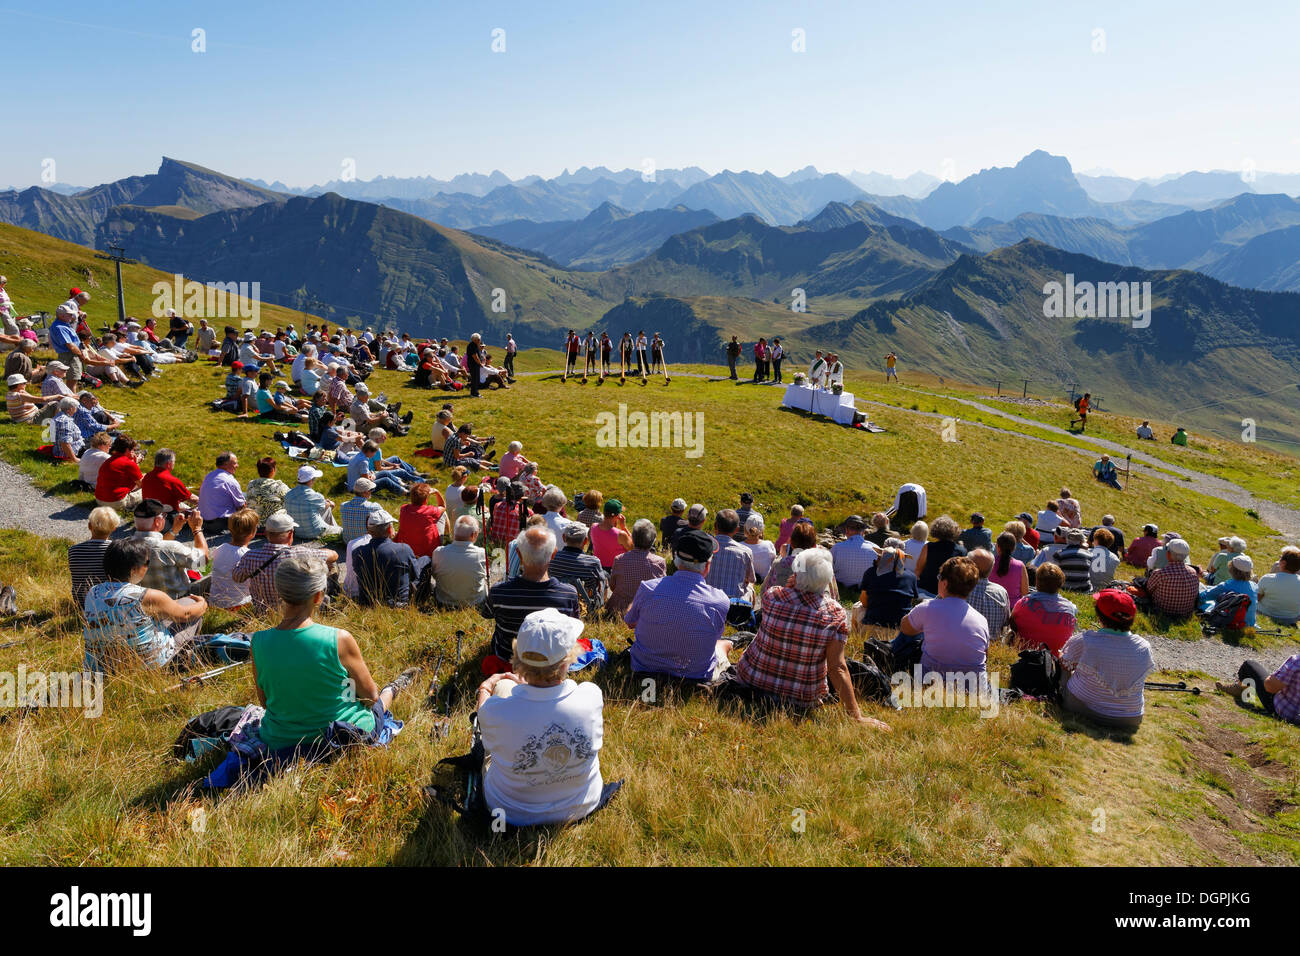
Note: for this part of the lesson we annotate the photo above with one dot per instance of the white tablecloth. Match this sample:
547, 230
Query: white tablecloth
839, 408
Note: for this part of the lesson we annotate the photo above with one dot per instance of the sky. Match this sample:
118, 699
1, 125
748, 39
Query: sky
293, 91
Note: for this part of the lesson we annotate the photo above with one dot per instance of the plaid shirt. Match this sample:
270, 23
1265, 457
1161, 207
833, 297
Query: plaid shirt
168, 562
993, 602
1286, 702
353, 514
338, 394
788, 657
66, 430
630, 569
86, 423
678, 622
306, 506
257, 568
1174, 590
732, 567
505, 522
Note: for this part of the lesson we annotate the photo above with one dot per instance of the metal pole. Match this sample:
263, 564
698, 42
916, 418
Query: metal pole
1025, 393
117, 255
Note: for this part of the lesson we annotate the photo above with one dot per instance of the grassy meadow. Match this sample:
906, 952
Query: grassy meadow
1204, 781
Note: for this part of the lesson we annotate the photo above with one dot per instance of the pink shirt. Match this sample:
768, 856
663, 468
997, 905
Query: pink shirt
1010, 580
511, 465
605, 545
787, 528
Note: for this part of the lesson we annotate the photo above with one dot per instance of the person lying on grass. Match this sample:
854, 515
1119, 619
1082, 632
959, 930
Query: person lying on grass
800, 642
125, 621
308, 675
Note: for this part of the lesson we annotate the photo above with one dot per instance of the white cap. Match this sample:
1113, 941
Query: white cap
279, 523
1243, 563
546, 637
378, 518
15, 379
363, 484
1178, 548
306, 473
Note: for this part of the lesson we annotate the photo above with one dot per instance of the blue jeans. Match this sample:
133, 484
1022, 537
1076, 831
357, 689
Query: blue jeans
405, 466
386, 480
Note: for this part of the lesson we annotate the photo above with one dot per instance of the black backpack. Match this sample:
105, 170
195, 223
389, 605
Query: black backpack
1036, 674
1228, 613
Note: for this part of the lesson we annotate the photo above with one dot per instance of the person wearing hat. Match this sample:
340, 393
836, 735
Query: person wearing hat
257, 566
24, 407
744, 512
542, 732
249, 354
1030, 536
1104, 471
1176, 587
678, 620
1160, 556
125, 620
310, 677
800, 642
1104, 669
1229, 548
696, 515
19, 362
509, 602
671, 522
854, 555
571, 563
169, 559
354, 513
63, 334
976, 536
312, 512
1240, 569
387, 571
1075, 559
609, 536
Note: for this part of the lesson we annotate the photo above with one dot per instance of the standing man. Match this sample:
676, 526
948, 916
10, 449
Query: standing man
571, 346
733, 355
511, 349
590, 352
220, 495
606, 348
63, 334
891, 367
817, 370
474, 359
642, 358
778, 353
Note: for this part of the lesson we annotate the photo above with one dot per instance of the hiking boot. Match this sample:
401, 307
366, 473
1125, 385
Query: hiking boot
490, 455
408, 417
8, 601
401, 681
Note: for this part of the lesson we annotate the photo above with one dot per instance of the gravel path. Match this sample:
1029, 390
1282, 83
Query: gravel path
1212, 656
28, 509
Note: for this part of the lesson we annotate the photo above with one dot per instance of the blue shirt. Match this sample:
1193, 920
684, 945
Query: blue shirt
306, 506
86, 422
353, 515
678, 621
63, 335
385, 571
358, 467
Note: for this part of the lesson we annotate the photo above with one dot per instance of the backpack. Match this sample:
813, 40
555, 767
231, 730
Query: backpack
1036, 674
1077, 402
1228, 613
206, 732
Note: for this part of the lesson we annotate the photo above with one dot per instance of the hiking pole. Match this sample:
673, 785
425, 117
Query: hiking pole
1181, 685
1128, 467
205, 676
451, 686
11, 644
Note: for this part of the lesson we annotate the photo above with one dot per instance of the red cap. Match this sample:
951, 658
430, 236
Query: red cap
236, 364
73, 293
1116, 605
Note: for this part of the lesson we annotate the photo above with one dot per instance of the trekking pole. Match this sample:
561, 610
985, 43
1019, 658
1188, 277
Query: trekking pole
1181, 685
11, 644
205, 676
1128, 467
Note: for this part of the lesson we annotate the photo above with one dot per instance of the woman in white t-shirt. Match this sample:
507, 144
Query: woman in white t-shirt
915, 544
764, 551
226, 592
96, 454
542, 732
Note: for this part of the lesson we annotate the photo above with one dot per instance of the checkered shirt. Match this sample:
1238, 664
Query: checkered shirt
788, 657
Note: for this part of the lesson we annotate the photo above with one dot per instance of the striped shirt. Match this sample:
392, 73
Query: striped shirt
732, 567
86, 565
788, 657
1076, 562
513, 600
573, 563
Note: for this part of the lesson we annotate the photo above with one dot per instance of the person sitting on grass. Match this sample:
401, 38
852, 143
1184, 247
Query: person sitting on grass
679, 619
787, 527
633, 567
943, 545
888, 589
976, 536
355, 512
1104, 559
509, 602
459, 568
265, 493
955, 635
225, 592
1279, 590
1043, 617
989, 597
118, 483
1174, 589
800, 642
802, 537
852, 556
387, 571
1008, 570
1104, 471
126, 622
92, 458
419, 524
571, 563
368, 464
257, 566
171, 562
1139, 552
1104, 670
512, 462
1240, 569
86, 560
268, 407
592, 504
309, 676
25, 408
312, 512
1277, 693
161, 483
610, 537
541, 731
1229, 548
1076, 560
764, 551
66, 436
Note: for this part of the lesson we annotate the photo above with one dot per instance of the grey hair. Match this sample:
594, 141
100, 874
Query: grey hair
376, 434
515, 447
813, 570
466, 528
536, 546
299, 577
683, 565
554, 499
755, 523
163, 456
644, 534
1238, 545
920, 531
68, 404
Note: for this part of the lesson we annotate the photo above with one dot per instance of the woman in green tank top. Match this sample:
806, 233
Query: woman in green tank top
309, 675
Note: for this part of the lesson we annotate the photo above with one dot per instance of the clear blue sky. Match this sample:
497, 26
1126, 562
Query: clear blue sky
290, 90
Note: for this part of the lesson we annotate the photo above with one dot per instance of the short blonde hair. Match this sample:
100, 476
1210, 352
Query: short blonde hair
920, 531
104, 520
549, 674
101, 440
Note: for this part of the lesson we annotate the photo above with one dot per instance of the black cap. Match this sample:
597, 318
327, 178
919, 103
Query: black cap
746, 497
150, 508
695, 545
